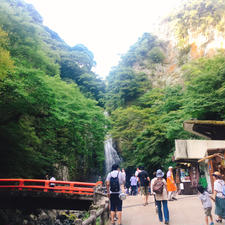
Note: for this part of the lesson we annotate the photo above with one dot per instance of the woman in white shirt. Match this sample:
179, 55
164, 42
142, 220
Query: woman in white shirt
219, 197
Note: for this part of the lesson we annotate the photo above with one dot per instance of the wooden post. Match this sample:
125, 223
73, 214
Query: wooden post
95, 198
102, 216
93, 213
78, 222
107, 209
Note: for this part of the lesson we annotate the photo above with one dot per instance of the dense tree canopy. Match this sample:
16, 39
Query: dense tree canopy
45, 119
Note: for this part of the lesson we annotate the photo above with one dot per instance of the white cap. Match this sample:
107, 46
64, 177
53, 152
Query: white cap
170, 167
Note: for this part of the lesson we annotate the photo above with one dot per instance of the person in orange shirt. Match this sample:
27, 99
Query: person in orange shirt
171, 186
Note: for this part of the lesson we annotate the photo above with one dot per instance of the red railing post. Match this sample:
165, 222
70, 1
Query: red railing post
46, 186
21, 184
71, 188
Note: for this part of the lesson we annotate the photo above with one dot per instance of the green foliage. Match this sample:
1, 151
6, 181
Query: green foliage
124, 86
205, 94
147, 48
76, 66
156, 55
51, 124
45, 121
6, 63
198, 14
147, 129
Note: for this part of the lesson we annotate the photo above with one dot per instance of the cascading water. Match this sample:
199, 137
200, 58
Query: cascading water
111, 156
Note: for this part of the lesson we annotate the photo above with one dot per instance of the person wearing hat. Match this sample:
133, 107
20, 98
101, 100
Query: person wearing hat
161, 199
171, 186
219, 196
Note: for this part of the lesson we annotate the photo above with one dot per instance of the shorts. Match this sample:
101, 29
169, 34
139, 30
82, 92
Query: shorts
208, 211
144, 190
115, 202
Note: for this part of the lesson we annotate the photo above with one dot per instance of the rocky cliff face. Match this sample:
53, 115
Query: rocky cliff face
203, 38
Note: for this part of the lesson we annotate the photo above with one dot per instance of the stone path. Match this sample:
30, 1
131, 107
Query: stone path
187, 210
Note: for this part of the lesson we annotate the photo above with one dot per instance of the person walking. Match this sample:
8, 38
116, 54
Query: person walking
52, 184
144, 182
160, 189
171, 186
136, 175
115, 179
207, 204
219, 196
133, 184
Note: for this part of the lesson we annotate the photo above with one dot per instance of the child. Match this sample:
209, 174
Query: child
207, 205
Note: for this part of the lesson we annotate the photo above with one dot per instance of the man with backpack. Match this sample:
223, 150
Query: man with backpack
114, 181
159, 188
144, 180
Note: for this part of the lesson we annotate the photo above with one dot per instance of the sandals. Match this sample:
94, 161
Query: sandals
219, 220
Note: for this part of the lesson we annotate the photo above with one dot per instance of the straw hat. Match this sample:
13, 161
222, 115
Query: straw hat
217, 173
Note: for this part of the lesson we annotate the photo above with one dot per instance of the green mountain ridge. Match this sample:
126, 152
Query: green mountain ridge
50, 114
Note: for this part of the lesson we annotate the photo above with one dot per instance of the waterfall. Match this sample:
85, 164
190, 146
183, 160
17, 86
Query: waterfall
111, 156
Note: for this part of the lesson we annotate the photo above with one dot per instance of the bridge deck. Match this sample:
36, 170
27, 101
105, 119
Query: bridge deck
30, 193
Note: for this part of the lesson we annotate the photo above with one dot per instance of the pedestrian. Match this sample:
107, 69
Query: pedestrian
219, 196
115, 179
133, 184
52, 184
171, 186
136, 175
124, 175
160, 189
144, 182
207, 204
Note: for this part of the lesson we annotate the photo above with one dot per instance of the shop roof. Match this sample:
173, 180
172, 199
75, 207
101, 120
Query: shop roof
210, 129
195, 149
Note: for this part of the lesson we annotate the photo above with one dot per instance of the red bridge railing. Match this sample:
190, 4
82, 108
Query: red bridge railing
78, 188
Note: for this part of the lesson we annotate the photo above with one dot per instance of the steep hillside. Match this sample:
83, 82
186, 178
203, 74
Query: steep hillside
194, 30
50, 119
178, 74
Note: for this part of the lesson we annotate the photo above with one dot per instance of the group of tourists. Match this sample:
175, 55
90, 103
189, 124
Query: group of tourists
140, 182
162, 190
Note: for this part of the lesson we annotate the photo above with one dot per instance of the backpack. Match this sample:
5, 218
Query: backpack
158, 186
146, 181
114, 183
143, 175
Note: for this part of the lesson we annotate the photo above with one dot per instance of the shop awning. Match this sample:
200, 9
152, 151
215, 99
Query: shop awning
209, 129
187, 150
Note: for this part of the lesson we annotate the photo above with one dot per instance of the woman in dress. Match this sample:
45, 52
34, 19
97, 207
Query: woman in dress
171, 186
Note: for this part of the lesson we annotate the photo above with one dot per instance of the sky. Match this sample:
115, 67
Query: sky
106, 27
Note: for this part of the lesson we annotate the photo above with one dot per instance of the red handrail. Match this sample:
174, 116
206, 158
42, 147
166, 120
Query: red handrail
79, 188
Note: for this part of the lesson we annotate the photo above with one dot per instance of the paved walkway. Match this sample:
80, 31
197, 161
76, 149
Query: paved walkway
187, 210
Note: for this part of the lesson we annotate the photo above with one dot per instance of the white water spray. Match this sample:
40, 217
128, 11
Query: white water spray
111, 156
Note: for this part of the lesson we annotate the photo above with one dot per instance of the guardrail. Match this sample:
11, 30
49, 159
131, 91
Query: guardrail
69, 187
102, 213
